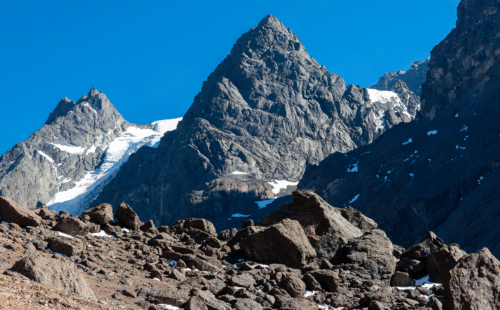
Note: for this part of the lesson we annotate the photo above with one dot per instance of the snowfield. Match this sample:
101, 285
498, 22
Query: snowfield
77, 199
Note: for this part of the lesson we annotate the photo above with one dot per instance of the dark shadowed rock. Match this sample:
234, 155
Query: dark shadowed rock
441, 262
402, 279
324, 225
328, 279
102, 214
372, 251
128, 217
427, 175
12, 212
430, 244
284, 243
58, 273
474, 283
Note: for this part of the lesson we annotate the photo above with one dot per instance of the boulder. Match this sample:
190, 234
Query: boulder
373, 252
164, 295
66, 246
210, 300
200, 224
323, 224
148, 225
474, 283
47, 214
244, 280
294, 286
328, 279
102, 214
284, 243
195, 303
414, 267
128, 217
429, 244
247, 304
441, 262
402, 279
12, 212
72, 226
58, 273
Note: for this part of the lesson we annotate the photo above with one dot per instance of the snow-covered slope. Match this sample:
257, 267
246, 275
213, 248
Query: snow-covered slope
78, 198
385, 101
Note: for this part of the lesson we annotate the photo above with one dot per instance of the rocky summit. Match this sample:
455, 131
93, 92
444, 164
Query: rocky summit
267, 112
440, 172
80, 148
307, 255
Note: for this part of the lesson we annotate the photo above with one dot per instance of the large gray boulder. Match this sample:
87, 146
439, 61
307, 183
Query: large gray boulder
325, 226
474, 283
12, 212
372, 251
58, 273
284, 243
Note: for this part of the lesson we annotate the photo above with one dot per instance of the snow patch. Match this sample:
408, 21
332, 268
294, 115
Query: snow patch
354, 168
169, 307
460, 147
78, 198
354, 199
102, 233
69, 149
480, 179
239, 215
60, 234
264, 203
238, 173
432, 132
91, 150
408, 142
278, 185
47, 157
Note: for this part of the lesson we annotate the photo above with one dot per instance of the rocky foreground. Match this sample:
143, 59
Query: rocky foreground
308, 255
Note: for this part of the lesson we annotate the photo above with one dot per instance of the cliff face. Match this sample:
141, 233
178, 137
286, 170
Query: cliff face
265, 113
438, 173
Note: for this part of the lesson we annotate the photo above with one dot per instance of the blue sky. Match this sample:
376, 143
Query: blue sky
151, 57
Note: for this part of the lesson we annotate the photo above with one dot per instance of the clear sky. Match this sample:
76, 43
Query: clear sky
151, 57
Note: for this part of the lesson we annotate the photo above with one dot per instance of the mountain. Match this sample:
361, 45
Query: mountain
414, 78
440, 172
265, 113
78, 150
